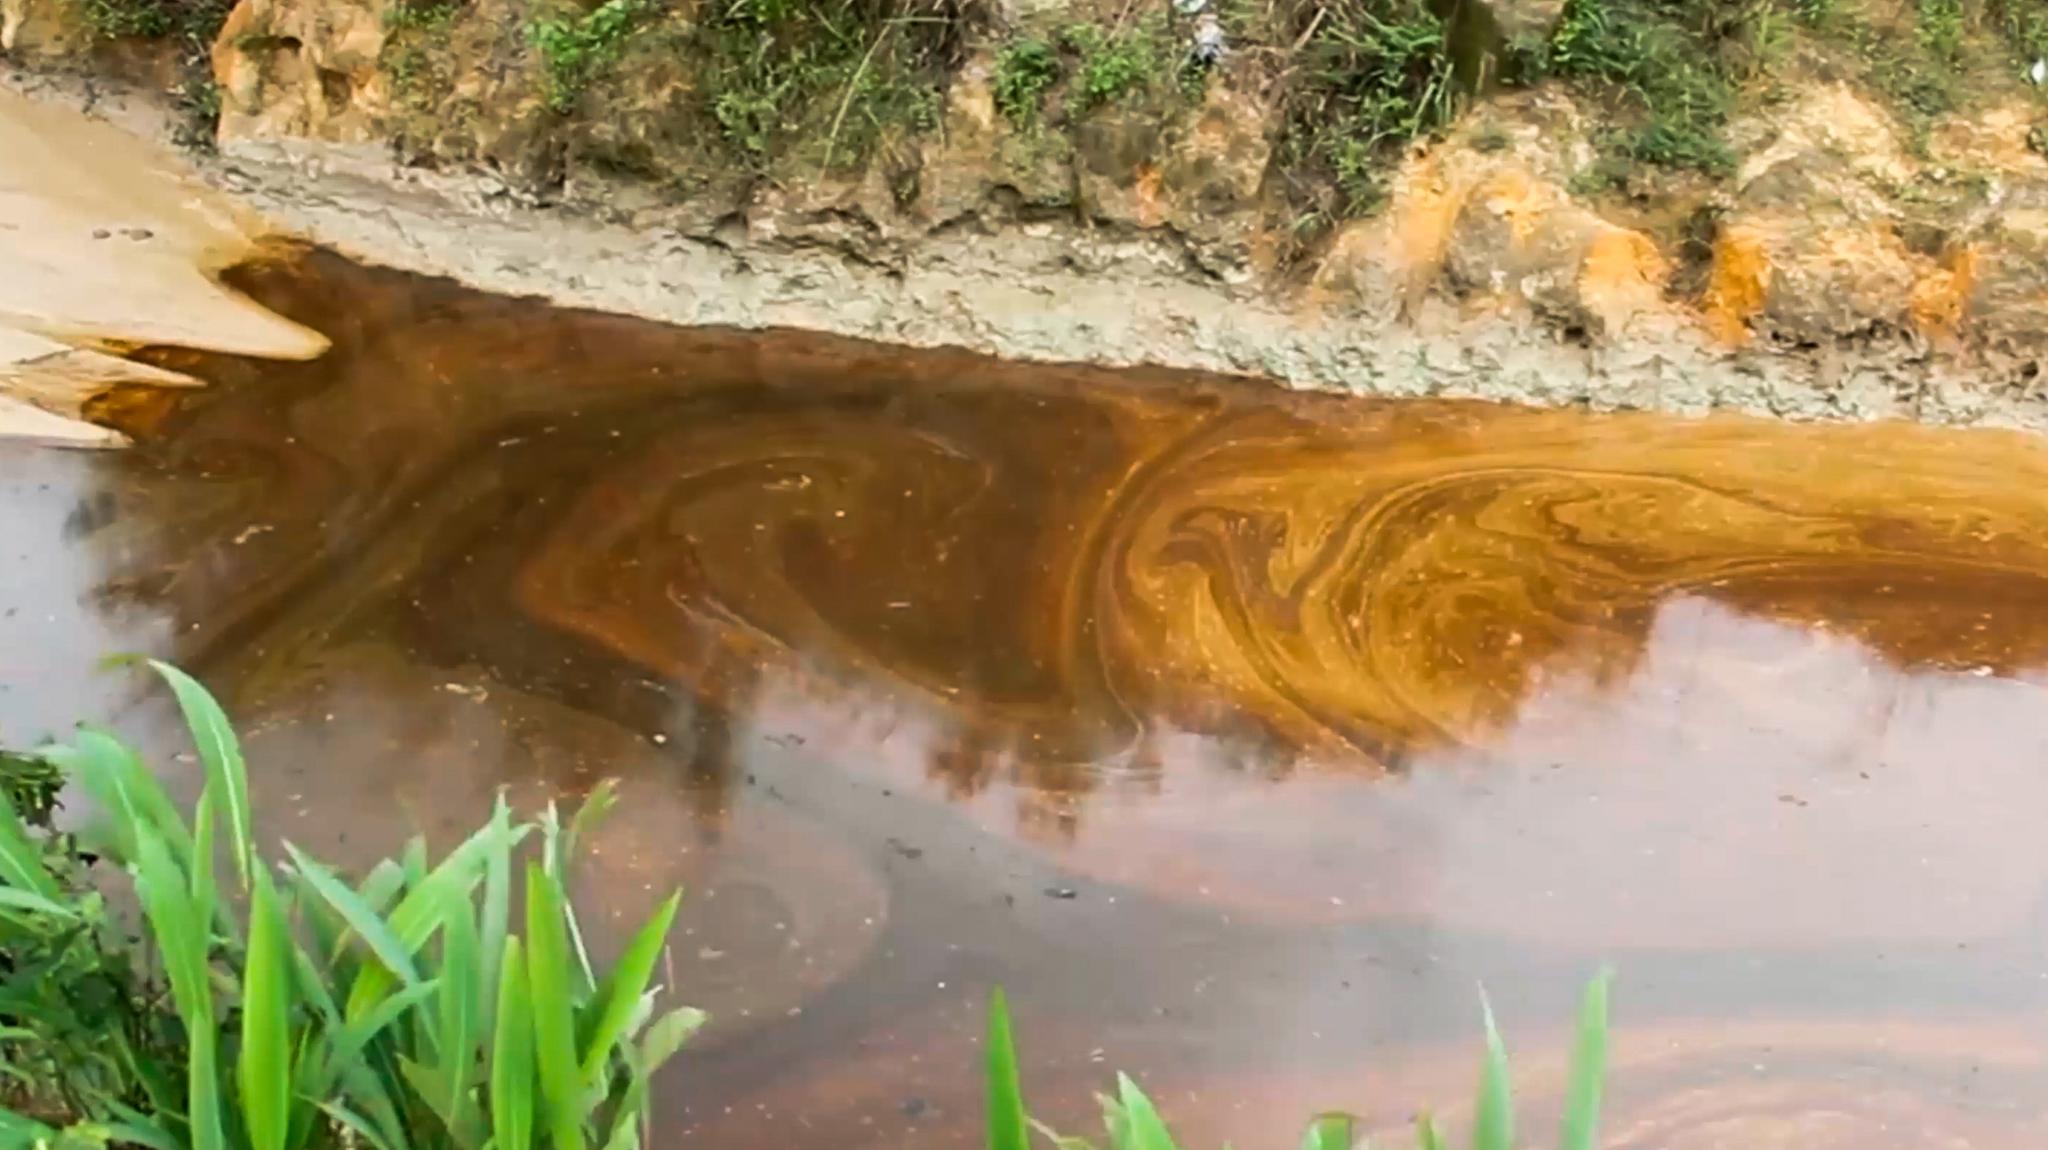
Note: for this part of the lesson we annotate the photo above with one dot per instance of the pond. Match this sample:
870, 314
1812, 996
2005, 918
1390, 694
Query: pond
1241, 735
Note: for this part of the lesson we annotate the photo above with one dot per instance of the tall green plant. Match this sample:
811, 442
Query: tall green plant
401, 1010
1133, 1123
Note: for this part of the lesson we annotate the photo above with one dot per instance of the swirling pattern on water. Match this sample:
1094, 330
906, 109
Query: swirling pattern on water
1263, 680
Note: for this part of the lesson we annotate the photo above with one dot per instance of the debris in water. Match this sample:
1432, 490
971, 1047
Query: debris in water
1064, 892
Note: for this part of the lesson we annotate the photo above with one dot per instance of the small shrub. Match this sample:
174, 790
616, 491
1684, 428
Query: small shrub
1940, 28
191, 27
1112, 64
1024, 71
1665, 68
1814, 13
576, 51
422, 14
832, 79
1375, 75
2025, 26
120, 19
296, 1010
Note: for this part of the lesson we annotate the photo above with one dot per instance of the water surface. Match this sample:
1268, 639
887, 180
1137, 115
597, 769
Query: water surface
1240, 735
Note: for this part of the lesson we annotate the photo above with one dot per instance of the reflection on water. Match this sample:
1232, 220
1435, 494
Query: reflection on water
1238, 734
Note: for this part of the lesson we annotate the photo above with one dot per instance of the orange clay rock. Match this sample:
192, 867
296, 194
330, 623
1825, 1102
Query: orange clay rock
1999, 240
1813, 250
1485, 220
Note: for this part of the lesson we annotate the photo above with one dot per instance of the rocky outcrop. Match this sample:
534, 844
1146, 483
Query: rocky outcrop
290, 70
1485, 221
1196, 173
980, 165
1814, 249
34, 28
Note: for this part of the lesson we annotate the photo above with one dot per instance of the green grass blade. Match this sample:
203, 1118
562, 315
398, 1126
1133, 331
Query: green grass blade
496, 915
265, 1061
181, 939
619, 996
1146, 1130
357, 1124
309, 1069
204, 897
372, 1089
19, 1130
149, 1137
664, 1036
595, 806
1493, 1118
1330, 1132
1427, 1136
1006, 1125
356, 1036
512, 1071
359, 917
382, 886
112, 774
667, 1035
1589, 1068
554, 1020
14, 899
222, 756
420, 911
430, 1087
459, 1021
21, 864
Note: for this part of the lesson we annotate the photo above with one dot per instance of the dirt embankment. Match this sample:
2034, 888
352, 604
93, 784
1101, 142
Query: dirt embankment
1812, 208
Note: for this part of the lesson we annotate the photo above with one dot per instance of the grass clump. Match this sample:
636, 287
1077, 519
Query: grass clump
825, 80
1939, 28
576, 51
1945, 55
289, 1008
190, 27
1375, 74
419, 76
1132, 1122
422, 15
1025, 70
95, 1038
1112, 63
121, 19
2024, 23
1664, 61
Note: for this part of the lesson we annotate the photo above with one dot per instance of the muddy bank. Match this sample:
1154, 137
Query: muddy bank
1062, 291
